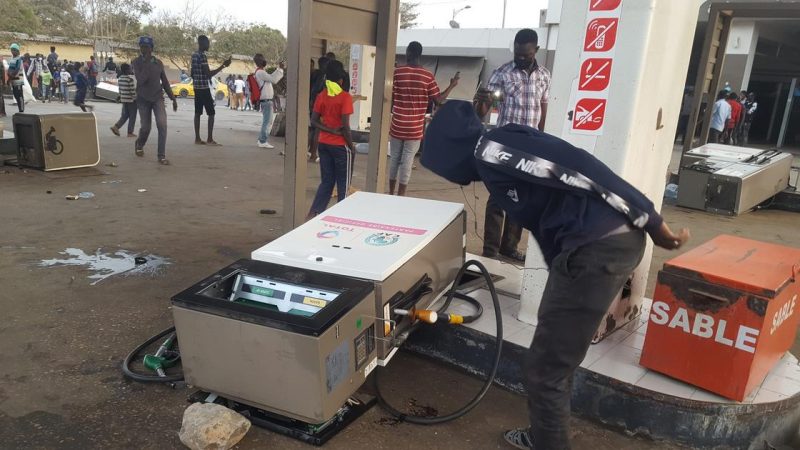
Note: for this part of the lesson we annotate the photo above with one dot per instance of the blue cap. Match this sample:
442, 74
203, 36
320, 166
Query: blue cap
14, 47
146, 40
450, 142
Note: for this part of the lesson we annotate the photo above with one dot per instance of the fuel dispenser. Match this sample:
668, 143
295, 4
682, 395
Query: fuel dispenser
291, 334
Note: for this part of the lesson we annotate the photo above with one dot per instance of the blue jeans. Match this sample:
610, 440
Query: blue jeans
266, 114
65, 92
335, 167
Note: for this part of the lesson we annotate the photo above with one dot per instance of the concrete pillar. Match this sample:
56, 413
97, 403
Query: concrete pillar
650, 54
739, 54
535, 275
362, 73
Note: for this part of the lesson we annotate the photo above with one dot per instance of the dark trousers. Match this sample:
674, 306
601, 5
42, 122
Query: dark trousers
129, 111
715, 136
16, 89
500, 234
146, 112
335, 169
580, 288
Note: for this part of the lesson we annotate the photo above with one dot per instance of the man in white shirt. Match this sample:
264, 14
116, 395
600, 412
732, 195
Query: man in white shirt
64, 84
238, 87
265, 81
719, 117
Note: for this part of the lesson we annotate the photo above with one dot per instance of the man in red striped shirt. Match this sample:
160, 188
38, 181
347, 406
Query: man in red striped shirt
414, 87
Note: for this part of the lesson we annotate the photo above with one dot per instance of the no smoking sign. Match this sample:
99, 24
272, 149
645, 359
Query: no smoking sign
595, 74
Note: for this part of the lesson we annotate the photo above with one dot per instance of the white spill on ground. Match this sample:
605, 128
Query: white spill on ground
105, 265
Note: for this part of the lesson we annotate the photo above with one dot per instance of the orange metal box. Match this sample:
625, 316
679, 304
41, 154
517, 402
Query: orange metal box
723, 314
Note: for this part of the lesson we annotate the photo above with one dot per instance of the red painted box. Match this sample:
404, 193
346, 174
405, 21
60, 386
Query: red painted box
723, 314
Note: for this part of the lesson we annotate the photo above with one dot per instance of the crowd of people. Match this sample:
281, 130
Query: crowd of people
49, 77
575, 229
731, 117
140, 85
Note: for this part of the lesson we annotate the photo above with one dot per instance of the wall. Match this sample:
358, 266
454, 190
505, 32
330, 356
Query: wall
72, 52
495, 45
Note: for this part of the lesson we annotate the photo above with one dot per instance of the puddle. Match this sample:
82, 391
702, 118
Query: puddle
106, 265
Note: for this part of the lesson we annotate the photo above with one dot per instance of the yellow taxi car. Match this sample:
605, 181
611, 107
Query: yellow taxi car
185, 89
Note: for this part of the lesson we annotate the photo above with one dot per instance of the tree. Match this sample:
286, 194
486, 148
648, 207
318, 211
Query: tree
17, 16
59, 18
174, 39
116, 19
408, 14
248, 40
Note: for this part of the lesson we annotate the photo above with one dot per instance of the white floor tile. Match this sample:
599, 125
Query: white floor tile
622, 363
635, 340
635, 325
702, 395
752, 396
787, 368
512, 325
781, 384
512, 275
484, 325
522, 337
768, 396
596, 351
656, 382
618, 335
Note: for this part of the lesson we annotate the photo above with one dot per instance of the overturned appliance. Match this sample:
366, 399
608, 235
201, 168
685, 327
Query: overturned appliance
730, 180
296, 330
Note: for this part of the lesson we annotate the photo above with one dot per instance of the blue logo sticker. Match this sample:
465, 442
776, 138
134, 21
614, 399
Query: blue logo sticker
382, 239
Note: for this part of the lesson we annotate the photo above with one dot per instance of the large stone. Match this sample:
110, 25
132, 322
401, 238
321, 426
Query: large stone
208, 426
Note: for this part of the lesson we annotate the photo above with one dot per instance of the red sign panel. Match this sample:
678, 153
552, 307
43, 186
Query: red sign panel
604, 5
595, 74
601, 35
589, 114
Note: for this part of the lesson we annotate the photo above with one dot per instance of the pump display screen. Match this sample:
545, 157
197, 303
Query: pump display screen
280, 296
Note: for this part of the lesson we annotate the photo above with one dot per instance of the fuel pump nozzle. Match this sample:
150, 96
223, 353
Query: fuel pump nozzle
428, 316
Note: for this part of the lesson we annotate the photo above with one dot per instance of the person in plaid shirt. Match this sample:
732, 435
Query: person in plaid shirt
201, 81
523, 89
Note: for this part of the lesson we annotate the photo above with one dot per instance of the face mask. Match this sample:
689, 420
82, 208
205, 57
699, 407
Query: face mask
522, 64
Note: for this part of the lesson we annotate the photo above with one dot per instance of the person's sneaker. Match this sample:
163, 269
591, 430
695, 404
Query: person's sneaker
519, 438
265, 145
130, 135
514, 255
164, 162
115, 130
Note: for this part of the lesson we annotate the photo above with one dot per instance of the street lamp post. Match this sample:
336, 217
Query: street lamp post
453, 23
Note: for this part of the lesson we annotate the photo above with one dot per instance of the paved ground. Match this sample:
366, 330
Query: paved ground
62, 339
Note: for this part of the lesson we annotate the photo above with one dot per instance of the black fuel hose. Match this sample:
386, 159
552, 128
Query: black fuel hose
419, 420
126, 369
466, 298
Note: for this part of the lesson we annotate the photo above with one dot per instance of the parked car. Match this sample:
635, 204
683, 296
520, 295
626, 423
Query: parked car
185, 89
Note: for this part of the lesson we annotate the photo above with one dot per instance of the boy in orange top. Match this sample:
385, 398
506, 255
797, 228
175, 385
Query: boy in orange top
736, 117
331, 116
